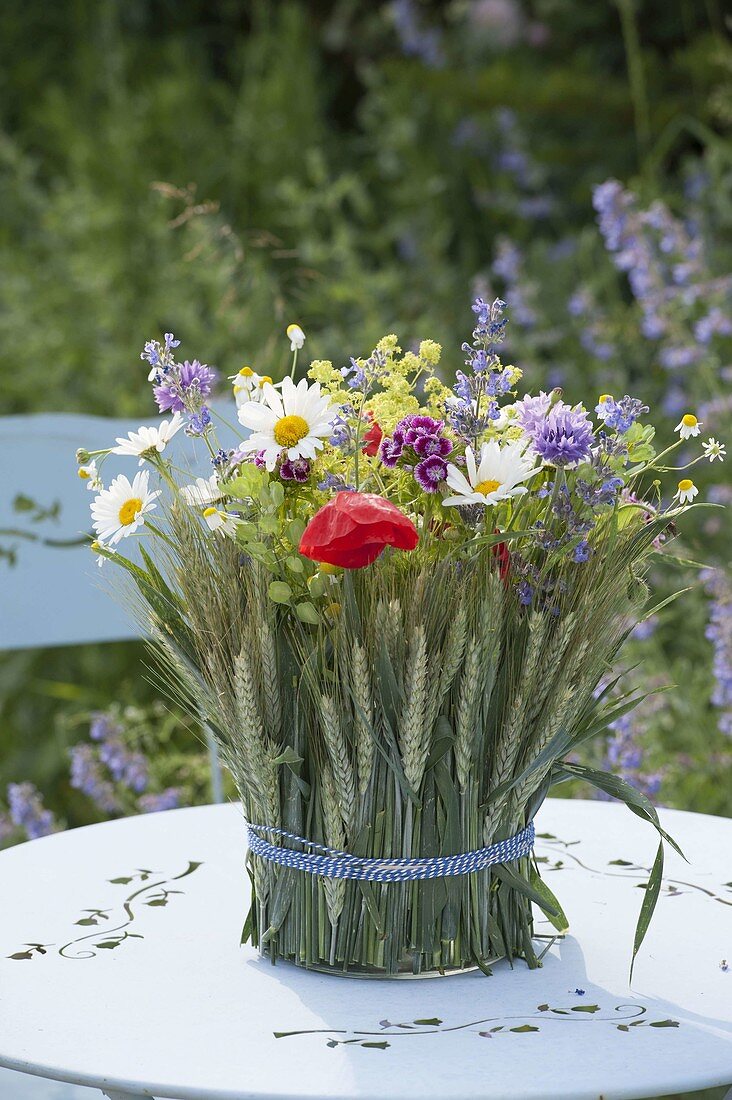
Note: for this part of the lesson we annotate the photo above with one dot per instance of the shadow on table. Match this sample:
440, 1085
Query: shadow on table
340, 1011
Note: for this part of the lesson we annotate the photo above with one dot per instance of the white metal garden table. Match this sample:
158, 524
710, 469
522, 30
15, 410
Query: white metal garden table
120, 968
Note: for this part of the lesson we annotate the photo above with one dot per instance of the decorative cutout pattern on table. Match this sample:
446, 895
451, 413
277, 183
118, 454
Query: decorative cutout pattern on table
112, 934
626, 1016
626, 869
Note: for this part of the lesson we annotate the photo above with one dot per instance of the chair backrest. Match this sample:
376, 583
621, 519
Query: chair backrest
51, 592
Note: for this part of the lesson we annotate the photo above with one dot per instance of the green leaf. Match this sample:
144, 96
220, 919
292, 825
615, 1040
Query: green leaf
551, 906
307, 613
635, 800
649, 904
277, 494
317, 585
294, 564
524, 1028
247, 485
295, 530
279, 592
288, 756
663, 1023
518, 882
433, 1021
586, 1008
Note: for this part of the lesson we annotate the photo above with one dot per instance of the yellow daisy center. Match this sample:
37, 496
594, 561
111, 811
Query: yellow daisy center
605, 397
265, 378
486, 487
289, 430
685, 485
246, 372
83, 474
129, 510
689, 420
210, 511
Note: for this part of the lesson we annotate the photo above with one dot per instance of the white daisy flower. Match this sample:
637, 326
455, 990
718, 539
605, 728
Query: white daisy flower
119, 510
90, 475
688, 426
203, 491
686, 491
714, 449
146, 440
97, 548
497, 477
249, 386
220, 522
295, 421
296, 337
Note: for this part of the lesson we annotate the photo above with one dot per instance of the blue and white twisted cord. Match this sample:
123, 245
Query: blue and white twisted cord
332, 863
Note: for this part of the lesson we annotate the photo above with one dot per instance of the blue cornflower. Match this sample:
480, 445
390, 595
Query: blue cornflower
525, 593
564, 436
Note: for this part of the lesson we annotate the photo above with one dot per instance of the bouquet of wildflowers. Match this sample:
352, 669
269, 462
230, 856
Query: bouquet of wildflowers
397, 605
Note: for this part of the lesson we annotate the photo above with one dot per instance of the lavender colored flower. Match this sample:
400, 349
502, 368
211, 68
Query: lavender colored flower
525, 593
582, 551
102, 727
335, 482
125, 767
185, 387
27, 811
199, 422
620, 415
532, 411
716, 322
86, 776
430, 472
564, 437
169, 799
297, 469
719, 633
415, 39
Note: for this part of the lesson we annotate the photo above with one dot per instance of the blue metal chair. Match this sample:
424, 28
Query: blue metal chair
51, 592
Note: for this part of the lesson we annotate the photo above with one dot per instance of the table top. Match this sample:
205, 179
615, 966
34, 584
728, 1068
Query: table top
120, 967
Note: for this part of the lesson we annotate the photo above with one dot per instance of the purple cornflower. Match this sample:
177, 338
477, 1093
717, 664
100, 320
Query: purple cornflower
185, 387
430, 472
86, 776
532, 411
27, 811
564, 437
168, 799
297, 469
620, 415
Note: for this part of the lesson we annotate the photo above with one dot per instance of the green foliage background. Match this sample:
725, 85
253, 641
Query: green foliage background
219, 169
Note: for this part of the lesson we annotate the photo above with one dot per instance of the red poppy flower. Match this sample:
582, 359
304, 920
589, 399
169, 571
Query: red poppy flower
372, 438
501, 552
352, 529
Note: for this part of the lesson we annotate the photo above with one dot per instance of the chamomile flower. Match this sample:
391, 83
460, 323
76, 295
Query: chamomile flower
497, 476
714, 449
688, 426
90, 475
203, 491
295, 421
119, 510
686, 491
296, 336
145, 441
219, 521
249, 386
102, 552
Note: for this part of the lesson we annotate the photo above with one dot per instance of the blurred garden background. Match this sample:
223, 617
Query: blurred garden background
221, 169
